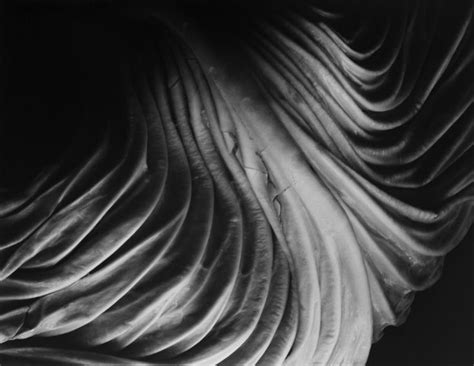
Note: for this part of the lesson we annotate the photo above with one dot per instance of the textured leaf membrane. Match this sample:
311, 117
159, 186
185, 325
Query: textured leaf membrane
275, 192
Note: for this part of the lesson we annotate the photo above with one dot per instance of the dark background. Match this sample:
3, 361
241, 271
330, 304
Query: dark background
439, 329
